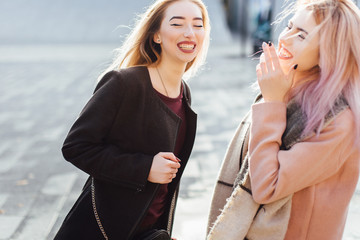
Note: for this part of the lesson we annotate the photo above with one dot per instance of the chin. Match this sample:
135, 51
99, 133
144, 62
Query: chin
187, 59
285, 66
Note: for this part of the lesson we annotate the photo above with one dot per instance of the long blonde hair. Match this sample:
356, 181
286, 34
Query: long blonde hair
338, 72
139, 47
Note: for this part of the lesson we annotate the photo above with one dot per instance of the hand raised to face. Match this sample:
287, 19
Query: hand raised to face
274, 83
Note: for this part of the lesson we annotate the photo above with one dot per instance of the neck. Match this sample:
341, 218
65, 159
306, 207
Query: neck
304, 76
298, 77
171, 77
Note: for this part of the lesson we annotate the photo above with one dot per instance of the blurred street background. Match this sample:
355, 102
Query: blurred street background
51, 53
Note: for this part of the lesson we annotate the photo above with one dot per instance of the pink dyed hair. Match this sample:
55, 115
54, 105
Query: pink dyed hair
338, 72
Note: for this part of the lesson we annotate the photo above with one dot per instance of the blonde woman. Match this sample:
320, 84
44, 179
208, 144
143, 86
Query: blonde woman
294, 162
135, 135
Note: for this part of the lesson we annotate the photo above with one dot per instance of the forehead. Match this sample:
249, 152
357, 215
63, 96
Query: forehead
185, 9
305, 19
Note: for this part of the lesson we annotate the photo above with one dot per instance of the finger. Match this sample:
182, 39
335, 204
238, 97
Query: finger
263, 68
274, 57
169, 156
258, 71
172, 164
268, 59
262, 58
171, 177
258, 68
291, 73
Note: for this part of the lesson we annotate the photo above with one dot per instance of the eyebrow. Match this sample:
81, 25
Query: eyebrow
303, 30
300, 29
179, 17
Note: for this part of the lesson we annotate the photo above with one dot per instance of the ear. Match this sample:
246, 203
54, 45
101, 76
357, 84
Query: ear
157, 38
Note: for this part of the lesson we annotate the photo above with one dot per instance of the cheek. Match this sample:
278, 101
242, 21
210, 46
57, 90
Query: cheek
168, 34
307, 60
169, 37
200, 40
168, 42
200, 35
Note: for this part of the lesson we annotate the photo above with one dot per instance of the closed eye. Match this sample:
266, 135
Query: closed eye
289, 26
301, 36
300, 33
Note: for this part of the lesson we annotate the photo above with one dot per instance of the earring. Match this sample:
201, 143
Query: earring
158, 40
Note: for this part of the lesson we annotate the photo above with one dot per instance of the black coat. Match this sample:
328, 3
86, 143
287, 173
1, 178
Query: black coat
114, 140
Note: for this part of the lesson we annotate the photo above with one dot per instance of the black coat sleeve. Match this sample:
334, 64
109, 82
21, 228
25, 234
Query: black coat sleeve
87, 145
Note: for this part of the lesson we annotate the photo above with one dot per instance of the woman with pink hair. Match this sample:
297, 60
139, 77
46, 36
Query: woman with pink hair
294, 162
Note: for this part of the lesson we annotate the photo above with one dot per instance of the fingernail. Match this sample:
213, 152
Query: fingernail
178, 159
270, 44
295, 67
263, 44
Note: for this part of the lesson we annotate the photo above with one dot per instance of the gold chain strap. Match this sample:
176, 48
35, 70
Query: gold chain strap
172, 209
95, 210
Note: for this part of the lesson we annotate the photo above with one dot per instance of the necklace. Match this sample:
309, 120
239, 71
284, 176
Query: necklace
167, 94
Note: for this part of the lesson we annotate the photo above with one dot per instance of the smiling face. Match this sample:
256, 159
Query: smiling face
299, 42
181, 33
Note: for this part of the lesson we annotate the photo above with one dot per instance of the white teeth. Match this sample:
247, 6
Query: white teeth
284, 53
187, 46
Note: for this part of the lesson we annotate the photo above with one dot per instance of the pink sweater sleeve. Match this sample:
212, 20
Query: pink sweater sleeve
276, 173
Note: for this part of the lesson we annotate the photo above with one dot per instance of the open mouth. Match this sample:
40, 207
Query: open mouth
284, 53
187, 47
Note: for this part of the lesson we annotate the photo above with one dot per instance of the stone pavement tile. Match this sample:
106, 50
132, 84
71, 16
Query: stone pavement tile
59, 184
70, 198
40, 219
8, 224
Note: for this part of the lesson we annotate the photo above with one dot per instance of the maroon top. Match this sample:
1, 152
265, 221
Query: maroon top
157, 207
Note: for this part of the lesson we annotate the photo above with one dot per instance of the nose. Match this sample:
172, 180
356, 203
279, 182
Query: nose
283, 40
189, 31
287, 36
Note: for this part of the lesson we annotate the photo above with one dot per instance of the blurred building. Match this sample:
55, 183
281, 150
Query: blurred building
251, 21
66, 21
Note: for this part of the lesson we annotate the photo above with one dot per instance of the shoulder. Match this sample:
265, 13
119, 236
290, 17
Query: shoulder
186, 87
111, 78
341, 130
134, 74
124, 77
344, 121
187, 92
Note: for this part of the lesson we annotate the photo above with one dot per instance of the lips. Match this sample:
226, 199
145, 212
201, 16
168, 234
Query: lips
284, 53
187, 46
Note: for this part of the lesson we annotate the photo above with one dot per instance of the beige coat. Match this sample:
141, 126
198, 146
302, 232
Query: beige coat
321, 172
